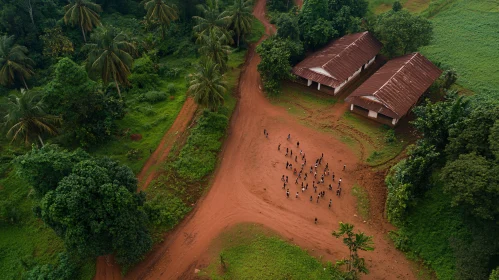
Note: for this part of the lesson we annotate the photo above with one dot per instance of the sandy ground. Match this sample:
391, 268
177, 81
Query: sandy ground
247, 188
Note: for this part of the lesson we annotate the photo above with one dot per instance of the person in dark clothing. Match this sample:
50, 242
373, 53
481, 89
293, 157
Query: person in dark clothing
279, 147
315, 221
264, 132
310, 198
287, 164
298, 144
330, 202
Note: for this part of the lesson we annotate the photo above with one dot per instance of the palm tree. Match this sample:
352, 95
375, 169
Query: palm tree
14, 63
25, 117
83, 13
215, 49
240, 18
110, 56
213, 20
208, 85
159, 11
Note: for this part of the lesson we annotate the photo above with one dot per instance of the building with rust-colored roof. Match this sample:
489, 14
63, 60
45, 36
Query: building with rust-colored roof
394, 89
339, 62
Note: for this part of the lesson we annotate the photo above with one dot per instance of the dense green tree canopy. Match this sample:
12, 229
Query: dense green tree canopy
276, 57
88, 113
43, 168
212, 19
96, 210
471, 134
323, 20
287, 26
435, 119
473, 182
402, 32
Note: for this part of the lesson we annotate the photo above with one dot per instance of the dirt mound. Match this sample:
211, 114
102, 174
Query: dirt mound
136, 137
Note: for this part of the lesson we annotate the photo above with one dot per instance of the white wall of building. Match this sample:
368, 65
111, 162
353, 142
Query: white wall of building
372, 114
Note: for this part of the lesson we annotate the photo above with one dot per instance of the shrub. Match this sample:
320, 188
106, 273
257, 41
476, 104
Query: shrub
171, 89
153, 97
134, 154
67, 269
199, 155
390, 136
165, 211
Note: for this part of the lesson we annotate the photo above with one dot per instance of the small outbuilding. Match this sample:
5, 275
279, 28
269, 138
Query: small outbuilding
331, 68
394, 89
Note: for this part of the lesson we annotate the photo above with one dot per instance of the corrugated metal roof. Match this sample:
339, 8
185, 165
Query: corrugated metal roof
340, 58
396, 86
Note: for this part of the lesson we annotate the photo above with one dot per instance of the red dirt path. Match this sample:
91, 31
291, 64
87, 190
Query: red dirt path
247, 188
148, 173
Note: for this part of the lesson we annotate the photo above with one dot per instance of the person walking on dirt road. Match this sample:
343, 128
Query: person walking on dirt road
315, 221
330, 202
298, 144
287, 193
279, 147
289, 136
264, 132
310, 198
296, 195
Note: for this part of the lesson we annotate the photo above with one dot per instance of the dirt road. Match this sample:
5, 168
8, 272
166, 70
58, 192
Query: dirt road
247, 188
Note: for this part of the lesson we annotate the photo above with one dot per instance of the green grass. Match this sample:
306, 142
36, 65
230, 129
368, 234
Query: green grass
373, 138
252, 252
149, 120
466, 39
257, 31
415, 6
428, 230
362, 201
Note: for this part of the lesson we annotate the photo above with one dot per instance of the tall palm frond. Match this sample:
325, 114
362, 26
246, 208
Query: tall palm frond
83, 13
160, 11
25, 117
109, 56
240, 18
14, 63
212, 19
208, 85
215, 49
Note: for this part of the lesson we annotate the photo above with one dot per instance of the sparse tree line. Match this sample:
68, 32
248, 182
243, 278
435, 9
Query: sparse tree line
319, 22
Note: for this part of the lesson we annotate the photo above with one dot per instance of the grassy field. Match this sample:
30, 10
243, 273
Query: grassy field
415, 6
466, 39
252, 252
362, 201
308, 104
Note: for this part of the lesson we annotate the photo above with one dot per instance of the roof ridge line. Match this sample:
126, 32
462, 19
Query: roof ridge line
338, 54
403, 66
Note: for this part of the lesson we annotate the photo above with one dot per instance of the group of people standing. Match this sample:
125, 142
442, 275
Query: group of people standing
297, 165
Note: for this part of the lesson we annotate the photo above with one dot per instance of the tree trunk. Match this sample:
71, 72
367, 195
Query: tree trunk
117, 87
41, 141
24, 81
163, 31
238, 41
83, 32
